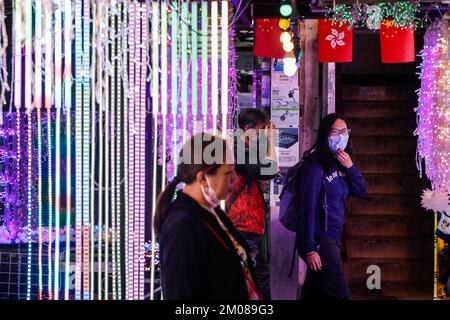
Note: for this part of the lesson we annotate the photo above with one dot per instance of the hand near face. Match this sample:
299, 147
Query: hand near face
270, 131
344, 158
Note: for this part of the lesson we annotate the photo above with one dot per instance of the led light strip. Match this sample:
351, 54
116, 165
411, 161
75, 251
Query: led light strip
194, 63
86, 145
152, 260
174, 82
100, 156
28, 97
78, 148
48, 106
38, 106
18, 35
224, 63
143, 113
107, 138
155, 102
137, 149
131, 150
224, 73
126, 150
68, 102
136, 137
18, 73
39, 195
119, 153
164, 90
204, 64
113, 154
93, 146
58, 68
184, 65
164, 108
214, 64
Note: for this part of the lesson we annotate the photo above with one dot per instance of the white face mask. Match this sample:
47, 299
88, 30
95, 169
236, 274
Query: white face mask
210, 195
339, 142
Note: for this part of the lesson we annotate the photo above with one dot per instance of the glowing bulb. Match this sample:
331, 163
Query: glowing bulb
289, 58
284, 24
286, 9
285, 37
288, 46
290, 69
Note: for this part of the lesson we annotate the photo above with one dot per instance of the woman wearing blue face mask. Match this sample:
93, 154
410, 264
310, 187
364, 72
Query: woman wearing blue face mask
326, 180
202, 254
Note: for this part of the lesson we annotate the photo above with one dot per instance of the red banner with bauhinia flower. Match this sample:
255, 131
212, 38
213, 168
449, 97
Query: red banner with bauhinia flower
335, 41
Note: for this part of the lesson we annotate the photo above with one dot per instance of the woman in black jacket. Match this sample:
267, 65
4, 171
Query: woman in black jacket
202, 254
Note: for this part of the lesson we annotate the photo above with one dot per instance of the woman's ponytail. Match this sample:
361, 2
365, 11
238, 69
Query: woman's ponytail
163, 205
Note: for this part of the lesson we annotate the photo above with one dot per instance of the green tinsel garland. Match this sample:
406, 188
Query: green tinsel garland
404, 14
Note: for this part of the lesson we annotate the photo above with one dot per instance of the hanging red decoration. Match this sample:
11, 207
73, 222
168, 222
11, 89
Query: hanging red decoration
267, 39
397, 43
335, 41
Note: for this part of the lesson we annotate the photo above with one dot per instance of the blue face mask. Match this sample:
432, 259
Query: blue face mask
338, 142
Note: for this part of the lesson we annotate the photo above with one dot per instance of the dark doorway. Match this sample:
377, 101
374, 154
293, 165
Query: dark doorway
389, 229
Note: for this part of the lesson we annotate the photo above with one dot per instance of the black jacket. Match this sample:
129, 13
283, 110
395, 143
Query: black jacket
198, 260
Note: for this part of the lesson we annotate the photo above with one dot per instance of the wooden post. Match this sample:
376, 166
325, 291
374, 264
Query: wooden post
328, 88
310, 114
310, 106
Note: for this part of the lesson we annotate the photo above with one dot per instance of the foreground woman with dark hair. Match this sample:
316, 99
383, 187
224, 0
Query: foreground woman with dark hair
202, 254
326, 180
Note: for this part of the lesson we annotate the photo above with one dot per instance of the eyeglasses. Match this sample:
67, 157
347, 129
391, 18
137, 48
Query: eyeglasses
336, 132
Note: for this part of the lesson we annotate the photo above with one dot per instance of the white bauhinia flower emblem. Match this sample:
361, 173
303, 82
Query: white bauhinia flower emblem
335, 38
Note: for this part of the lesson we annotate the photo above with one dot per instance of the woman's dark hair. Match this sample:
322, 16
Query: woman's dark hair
191, 163
321, 147
252, 117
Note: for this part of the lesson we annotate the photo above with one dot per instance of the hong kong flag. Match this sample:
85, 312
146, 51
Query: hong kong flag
267, 39
335, 41
397, 44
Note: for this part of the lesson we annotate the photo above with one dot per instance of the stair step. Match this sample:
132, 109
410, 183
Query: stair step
386, 204
377, 93
394, 184
393, 290
362, 127
384, 145
390, 270
390, 248
390, 226
386, 163
379, 109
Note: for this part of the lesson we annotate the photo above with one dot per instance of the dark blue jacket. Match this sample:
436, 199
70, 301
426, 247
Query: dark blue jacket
338, 183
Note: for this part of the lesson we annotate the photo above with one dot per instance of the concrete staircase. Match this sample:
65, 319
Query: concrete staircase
389, 229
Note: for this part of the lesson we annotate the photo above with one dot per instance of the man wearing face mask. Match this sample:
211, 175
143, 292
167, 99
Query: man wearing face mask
255, 165
327, 177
